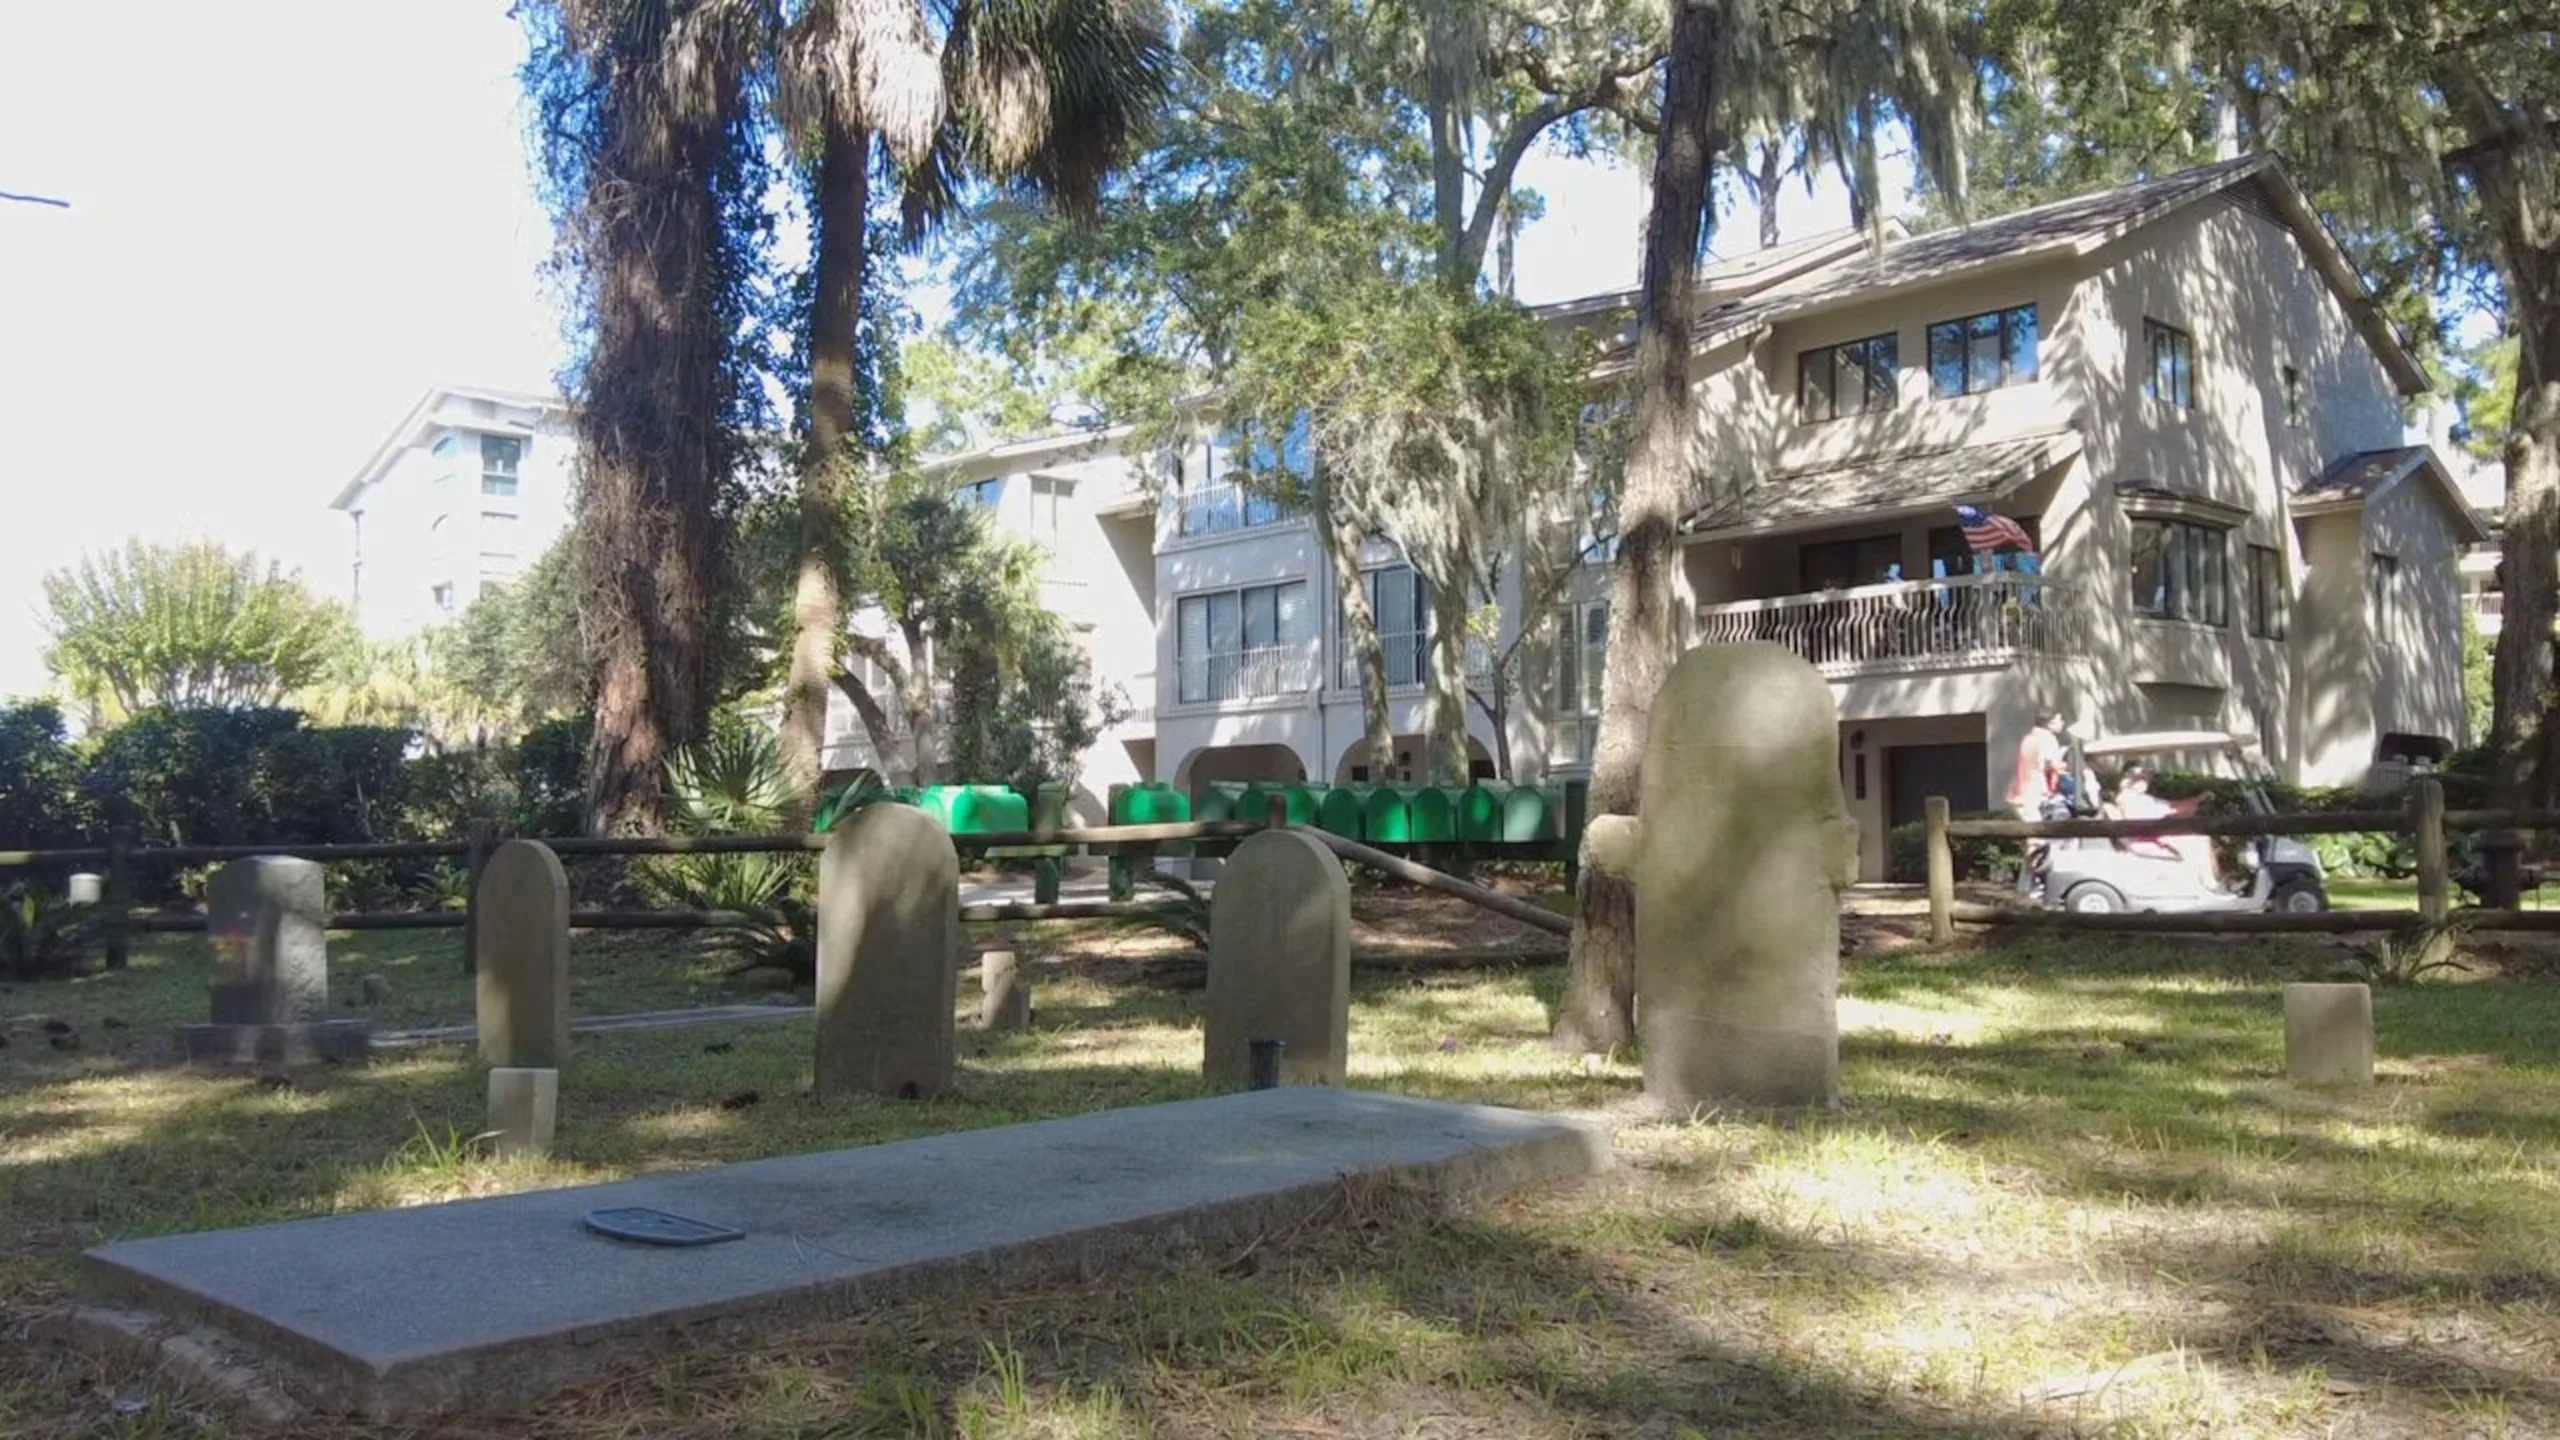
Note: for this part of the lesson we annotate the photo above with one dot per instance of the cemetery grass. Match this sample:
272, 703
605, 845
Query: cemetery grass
2069, 1194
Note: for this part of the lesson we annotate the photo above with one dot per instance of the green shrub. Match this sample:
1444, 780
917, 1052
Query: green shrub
42, 805
42, 935
550, 765
1906, 854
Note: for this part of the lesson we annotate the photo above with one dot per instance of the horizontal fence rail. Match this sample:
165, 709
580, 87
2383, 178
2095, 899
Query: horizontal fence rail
2424, 817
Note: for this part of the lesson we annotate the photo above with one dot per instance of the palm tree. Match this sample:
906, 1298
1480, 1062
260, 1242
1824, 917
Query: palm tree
648, 151
1048, 94
1732, 67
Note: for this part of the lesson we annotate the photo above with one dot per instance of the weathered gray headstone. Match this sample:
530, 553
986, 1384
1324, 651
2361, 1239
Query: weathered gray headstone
2328, 1034
524, 1110
1279, 962
268, 918
522, 989
1004, 995
888, 955
1739, 859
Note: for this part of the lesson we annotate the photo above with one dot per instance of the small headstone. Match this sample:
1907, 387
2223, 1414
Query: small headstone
888, 955
268, 920
87, 889
373, 989
1279, 962
524, 1110
1004, 999
522, 929
2328, 1034
1739, 859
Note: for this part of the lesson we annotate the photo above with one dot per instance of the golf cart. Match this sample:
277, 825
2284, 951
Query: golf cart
2179, 875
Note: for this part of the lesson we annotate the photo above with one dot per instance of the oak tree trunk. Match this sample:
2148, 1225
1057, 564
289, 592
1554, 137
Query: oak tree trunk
1598, 1009
817, 606
1447, 730
1342, 542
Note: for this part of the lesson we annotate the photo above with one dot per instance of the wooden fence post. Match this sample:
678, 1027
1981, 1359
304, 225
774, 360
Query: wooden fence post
2426, 807
481, 838
1942, 873
1275, 810
119, 899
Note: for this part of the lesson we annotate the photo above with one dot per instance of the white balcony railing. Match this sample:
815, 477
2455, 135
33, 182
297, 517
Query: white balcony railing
1244, 674
1910, 625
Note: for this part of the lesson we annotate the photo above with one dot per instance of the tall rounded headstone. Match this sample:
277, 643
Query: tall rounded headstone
521, 925
1279, 962
1745, 844
888, 955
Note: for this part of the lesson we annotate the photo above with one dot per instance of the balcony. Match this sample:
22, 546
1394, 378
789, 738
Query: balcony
1916, 625
1224, 676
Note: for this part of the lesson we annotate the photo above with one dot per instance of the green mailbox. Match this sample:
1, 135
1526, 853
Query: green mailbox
1432, 813
1340, 811
1387, 816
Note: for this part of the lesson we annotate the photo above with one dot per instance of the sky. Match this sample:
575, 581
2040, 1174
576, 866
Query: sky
287, 219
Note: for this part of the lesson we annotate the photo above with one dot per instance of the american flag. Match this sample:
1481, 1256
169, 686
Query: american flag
1989, 534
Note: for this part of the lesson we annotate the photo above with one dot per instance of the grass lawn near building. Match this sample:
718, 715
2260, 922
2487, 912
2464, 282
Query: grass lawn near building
2069, 1193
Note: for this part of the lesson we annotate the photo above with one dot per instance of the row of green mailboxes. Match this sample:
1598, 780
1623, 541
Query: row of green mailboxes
1488, 812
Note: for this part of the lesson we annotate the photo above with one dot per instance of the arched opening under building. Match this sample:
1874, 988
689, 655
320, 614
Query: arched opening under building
1412, 765
1247, 763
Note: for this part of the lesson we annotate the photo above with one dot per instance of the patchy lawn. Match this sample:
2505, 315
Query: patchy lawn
2070, 1194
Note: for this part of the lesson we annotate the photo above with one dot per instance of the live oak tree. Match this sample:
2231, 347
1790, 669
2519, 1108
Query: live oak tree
1296, 265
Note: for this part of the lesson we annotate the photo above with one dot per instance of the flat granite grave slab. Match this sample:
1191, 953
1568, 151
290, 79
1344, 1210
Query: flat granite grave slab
491, 1304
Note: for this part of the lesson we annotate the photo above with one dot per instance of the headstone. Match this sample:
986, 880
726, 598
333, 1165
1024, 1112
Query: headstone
888, 955
1004, 995
1279, 962
87, 888
1743, 848
524, 1110
2328, 1034
268, 919
521, 917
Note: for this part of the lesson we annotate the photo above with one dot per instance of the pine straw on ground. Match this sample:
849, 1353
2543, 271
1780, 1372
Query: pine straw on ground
2069, 1194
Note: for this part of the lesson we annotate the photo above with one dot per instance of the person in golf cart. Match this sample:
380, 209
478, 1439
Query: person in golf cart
2178, 873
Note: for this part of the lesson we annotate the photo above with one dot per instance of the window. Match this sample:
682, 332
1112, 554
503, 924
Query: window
1401, 600
1047, 503
1218, 500
1951, 554
1983, 352
1235, 644
987, 495
1839, 564
2294, 398
1847, 379
442, 594
501, 460
2173, 364
1582, 655
2179, 572
2382, 580
2269, 601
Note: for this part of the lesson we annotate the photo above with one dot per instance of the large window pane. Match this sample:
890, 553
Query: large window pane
1982, 353
1813, 384
2018, 345
1946, 358
1884, 367
2150, 568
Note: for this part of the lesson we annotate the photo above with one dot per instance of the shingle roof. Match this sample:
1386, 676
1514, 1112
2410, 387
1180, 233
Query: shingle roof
2353, 477
1888, 483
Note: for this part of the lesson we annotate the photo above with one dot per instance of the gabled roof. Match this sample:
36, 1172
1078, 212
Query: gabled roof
2075, 227
411, 424
1881, 487
2357, 480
